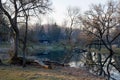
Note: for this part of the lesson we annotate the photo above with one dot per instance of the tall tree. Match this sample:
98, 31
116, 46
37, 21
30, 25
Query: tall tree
72, 16
13, 9
4, 28
100, 21
71, 22
54, 32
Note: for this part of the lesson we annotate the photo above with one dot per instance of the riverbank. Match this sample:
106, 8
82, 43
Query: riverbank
32, 73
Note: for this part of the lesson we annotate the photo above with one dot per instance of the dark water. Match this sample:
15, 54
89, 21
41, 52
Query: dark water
60, 55
52, 55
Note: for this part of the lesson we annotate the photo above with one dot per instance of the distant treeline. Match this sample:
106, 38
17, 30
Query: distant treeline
50, 33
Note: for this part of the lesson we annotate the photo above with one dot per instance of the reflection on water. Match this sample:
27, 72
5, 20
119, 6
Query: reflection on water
52, 55
76, 61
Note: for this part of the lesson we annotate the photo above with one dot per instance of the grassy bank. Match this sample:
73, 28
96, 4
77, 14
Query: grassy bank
30, 73
18, 73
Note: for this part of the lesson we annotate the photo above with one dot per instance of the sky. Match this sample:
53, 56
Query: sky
60, 6
59, 9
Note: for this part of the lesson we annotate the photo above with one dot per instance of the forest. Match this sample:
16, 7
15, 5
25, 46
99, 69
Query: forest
86, 46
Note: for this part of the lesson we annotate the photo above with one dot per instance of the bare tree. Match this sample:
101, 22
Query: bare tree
100, 21
71, 20
70, 23
13, 9
26, 15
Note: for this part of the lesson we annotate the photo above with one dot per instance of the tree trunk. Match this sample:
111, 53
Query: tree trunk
100, 63
89, 59
108, 65
16, 46
25, 42
117, 62
108, 59
0, 61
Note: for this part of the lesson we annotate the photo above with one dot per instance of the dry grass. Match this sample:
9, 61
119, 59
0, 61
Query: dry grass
30, 73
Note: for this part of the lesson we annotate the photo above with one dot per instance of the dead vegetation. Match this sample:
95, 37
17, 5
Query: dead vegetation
32, 73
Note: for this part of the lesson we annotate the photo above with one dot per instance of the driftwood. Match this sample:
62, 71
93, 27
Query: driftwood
40, 64
48, 64
19, 61
37, 63
53, 63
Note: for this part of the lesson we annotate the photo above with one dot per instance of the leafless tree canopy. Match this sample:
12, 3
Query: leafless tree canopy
101, 21
14, 9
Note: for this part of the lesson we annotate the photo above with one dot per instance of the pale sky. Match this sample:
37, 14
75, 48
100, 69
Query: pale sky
60, 6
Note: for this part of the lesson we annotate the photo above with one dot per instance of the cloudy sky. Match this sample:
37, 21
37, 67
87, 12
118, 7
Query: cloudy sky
60, 6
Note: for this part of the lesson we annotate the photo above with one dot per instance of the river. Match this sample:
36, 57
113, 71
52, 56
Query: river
77, 61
